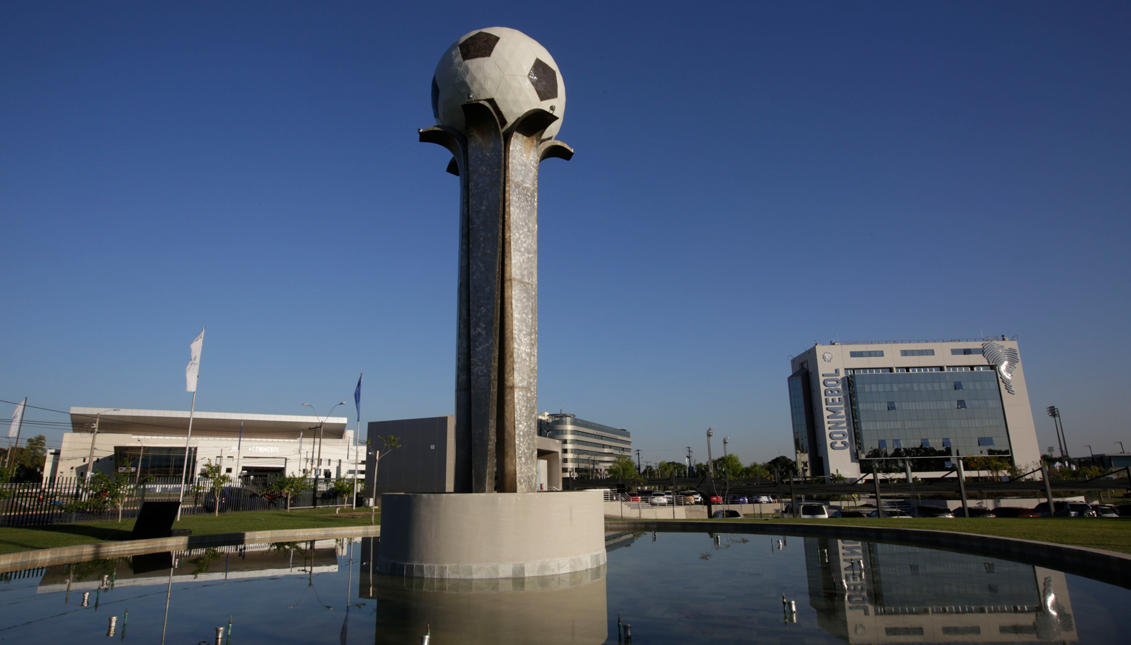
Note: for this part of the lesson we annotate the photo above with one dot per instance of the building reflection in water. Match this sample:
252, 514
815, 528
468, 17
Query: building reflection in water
885, 593
200, 565
569, 608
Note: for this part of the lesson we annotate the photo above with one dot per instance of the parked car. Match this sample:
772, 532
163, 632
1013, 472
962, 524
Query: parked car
232, 498
974, 511
849, 512
1064, 509
634, 498
1104, 510
1124, 510
762, 499
658, 498
1014, 511
715, 499
694, 495
890, 512
931, 511
723, 514
738, 500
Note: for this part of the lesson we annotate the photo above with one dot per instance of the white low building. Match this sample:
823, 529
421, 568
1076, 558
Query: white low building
152, 442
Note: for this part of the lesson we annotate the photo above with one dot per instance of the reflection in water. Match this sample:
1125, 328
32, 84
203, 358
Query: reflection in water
880, 593
569, 608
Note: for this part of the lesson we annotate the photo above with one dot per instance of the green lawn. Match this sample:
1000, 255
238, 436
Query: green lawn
1095, 533
13, 540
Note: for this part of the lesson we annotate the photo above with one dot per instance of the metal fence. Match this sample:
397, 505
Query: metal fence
66, 500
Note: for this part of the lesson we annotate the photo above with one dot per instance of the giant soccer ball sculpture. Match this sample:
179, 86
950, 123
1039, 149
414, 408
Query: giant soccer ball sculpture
504, 67
498, 99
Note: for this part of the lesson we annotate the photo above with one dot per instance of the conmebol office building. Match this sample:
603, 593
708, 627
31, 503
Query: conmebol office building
891, 404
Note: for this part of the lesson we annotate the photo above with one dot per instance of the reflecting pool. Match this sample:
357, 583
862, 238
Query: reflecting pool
669, 587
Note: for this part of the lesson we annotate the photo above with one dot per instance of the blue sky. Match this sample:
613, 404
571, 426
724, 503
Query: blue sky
749, 178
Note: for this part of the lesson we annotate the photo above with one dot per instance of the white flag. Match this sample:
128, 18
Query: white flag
17, 419
193, 369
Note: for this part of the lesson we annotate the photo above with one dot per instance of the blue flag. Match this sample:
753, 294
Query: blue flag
357, 397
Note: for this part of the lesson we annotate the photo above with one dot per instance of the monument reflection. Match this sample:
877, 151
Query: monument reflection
885, 593
569, 608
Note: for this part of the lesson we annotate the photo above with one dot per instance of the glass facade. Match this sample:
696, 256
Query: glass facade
872, 353
155, 462
925, 418
801, 412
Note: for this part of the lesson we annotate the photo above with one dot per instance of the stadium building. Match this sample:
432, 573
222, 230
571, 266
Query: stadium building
859, 406
152, 443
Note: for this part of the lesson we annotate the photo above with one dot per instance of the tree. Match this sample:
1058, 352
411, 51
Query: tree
386, 444
784, 466
106, 491
756, 471
217, 480
287, 485
33, 453
729, 467
625, 468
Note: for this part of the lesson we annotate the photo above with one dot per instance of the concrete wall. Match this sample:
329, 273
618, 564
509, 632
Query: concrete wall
425, 462
491, 535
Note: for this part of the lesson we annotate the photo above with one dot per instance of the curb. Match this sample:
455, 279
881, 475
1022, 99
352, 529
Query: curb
1106, 566
100, 550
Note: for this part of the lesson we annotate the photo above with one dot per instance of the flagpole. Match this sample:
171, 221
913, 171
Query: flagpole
239, 448
192, 373
184, 468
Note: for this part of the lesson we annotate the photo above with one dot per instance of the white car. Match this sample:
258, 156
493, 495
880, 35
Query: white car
761, 499
658, 499
814, 511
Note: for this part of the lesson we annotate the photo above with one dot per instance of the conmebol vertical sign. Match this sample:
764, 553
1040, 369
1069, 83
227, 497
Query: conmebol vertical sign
836, 421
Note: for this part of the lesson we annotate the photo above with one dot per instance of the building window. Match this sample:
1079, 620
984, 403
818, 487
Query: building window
983, 368
961, 404
958, 385
958, 368
916, 352
896, 443
926, 443
985, 441
891, 405
946, 443
965, 351
883, 444
924, 369
874, 353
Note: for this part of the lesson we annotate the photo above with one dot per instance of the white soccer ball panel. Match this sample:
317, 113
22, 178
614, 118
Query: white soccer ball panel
502, 65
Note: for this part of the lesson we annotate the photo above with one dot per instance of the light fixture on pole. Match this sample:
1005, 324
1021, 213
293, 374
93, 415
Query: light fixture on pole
710, 461
1121, 450
1058, 422
1090, 450
321, 423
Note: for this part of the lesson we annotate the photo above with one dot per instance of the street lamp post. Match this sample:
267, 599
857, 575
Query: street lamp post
726, 440
90, 459
710, 461
1090, 450
321, 423
1121, 451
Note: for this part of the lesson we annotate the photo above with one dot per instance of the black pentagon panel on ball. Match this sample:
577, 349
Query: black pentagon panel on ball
478, 46
435, 99
544, 79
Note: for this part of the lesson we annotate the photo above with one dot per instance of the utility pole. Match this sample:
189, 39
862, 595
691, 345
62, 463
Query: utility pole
689, 462
639, 468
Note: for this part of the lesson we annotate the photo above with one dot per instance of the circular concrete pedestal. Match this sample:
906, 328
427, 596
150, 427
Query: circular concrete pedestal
491, 535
